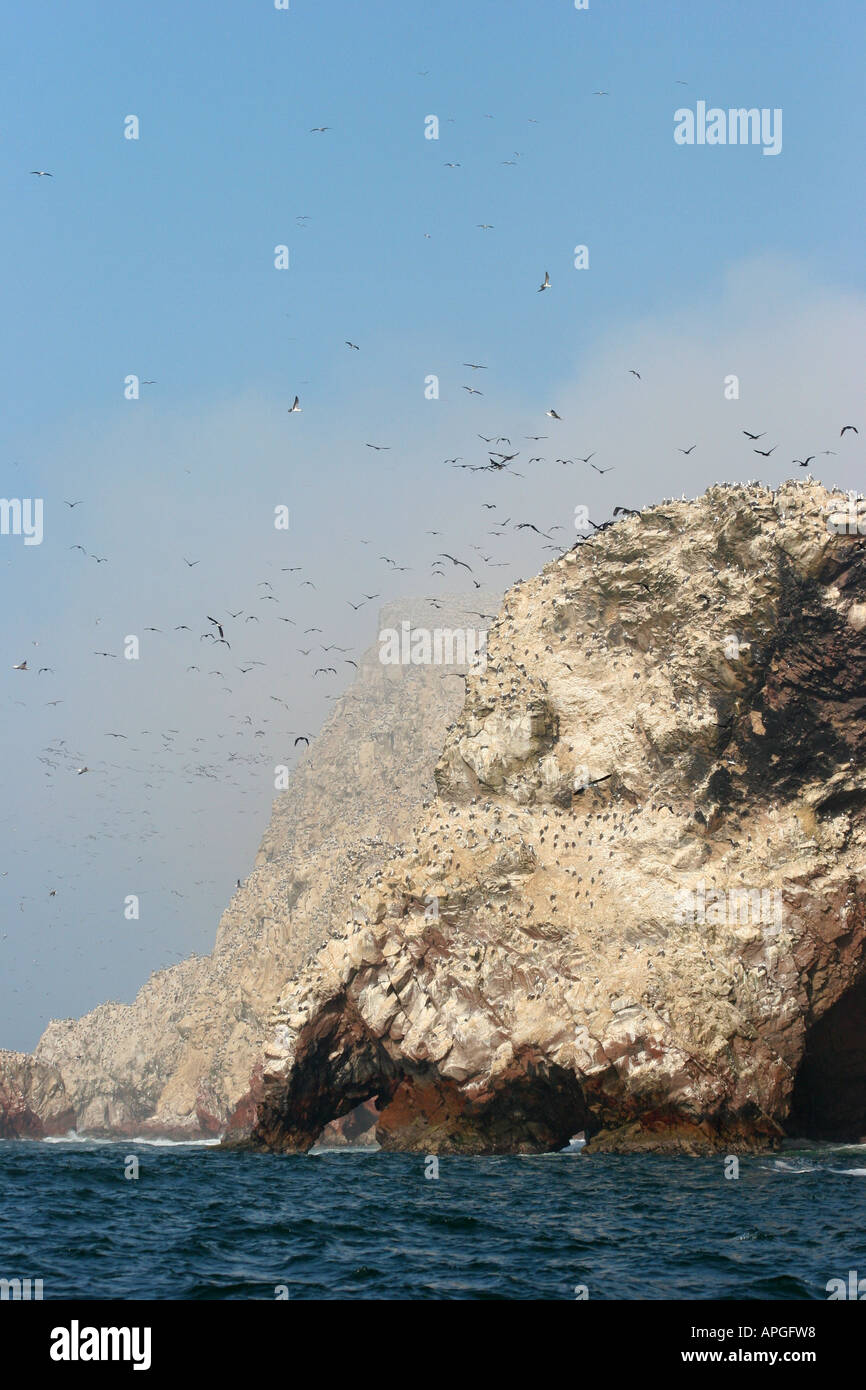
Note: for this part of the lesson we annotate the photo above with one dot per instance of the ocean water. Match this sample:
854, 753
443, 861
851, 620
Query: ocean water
200, 1223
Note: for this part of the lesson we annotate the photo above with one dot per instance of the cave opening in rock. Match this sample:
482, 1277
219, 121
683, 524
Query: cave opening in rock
355, 1129
829, 1098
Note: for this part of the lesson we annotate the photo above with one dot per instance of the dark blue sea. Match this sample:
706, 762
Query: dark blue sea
201, 1223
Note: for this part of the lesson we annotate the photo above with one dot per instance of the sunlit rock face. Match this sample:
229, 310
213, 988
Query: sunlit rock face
33, 1099
636, 906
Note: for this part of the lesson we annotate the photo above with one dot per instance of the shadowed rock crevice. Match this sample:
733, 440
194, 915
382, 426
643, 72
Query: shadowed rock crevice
829, 1096
340, 1064
805, 716
535, 1109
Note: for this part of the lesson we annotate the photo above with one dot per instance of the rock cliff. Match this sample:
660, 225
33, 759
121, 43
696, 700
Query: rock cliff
180, 1059
33, 1099
636, 905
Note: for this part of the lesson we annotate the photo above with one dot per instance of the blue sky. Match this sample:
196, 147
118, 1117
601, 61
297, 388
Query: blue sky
160, 251
156, 256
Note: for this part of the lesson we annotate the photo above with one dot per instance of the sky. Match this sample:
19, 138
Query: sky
155, 257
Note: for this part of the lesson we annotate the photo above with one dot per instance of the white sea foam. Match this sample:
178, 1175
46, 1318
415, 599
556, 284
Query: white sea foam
154, 1142
781, 1165
318, 1150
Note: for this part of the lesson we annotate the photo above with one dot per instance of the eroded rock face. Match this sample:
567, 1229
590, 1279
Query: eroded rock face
33, 1099
185, 1056
640, 890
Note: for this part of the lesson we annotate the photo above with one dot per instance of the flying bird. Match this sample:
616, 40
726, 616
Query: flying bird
553, 415
688, 451
848, 427
545, 285
42, 173
632, 372
295, 407
754, 437
352, 345
445, 556
765, 453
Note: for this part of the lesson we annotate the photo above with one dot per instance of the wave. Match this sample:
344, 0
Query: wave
781, 1165
73, 1137
318, 1150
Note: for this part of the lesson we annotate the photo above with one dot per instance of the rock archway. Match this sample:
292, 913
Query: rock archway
340, 1063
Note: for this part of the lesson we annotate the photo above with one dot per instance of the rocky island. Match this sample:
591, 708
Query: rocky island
617, 887
636, 906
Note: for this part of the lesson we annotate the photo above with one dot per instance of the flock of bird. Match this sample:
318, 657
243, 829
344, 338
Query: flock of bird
222, 649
